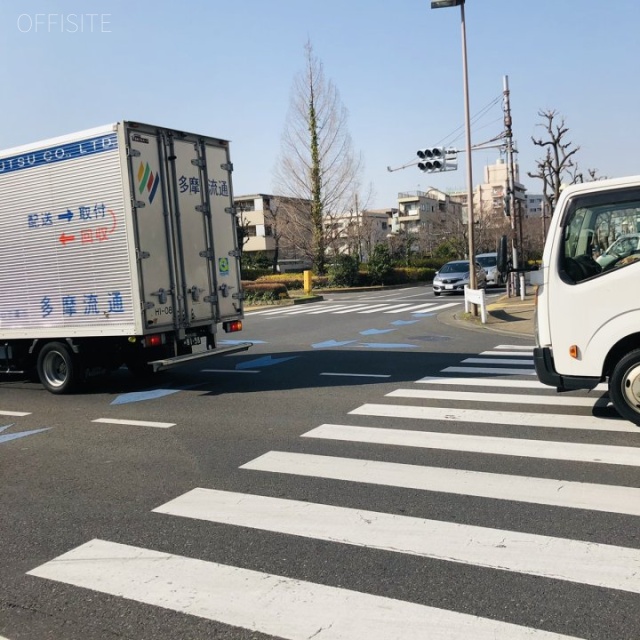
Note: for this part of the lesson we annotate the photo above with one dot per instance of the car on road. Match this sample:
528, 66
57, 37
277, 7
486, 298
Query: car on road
489, 262
454, 276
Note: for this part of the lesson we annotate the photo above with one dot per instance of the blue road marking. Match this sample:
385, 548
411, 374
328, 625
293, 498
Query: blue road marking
267, 361
139, 396
20, 434
401, 322
373, 332
331, 343
241, 341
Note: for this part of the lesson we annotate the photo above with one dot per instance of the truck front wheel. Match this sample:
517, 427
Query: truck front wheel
624, 387
58, 368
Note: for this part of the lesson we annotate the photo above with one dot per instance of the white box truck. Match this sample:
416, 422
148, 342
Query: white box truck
588, 303
118, 246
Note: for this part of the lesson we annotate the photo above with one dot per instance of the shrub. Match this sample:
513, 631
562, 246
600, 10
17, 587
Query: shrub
344, 271
264, 292
379, 266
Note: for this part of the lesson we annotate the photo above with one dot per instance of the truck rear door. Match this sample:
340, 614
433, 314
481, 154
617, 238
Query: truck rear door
186, 236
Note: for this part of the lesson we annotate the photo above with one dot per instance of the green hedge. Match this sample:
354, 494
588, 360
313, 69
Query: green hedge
294, 281
269, 289
264, 292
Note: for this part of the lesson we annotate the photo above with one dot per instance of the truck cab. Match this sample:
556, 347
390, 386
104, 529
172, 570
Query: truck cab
588, 307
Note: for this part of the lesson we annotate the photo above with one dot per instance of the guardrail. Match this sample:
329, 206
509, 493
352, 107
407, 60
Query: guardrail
476, 296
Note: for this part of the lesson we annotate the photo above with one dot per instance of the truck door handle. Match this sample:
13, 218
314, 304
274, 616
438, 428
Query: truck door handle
162, 295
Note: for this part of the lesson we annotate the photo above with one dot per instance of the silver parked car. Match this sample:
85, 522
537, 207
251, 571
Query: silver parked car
489, 262
454, 276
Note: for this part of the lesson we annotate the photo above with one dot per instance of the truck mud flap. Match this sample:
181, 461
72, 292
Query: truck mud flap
168, 363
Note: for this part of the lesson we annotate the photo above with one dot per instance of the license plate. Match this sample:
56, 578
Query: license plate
448, 286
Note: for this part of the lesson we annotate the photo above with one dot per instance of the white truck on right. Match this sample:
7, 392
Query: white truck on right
587, 322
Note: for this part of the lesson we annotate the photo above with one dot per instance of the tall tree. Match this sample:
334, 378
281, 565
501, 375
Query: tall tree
317, 164
558, 161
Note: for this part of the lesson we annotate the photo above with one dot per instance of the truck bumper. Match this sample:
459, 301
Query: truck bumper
168, 363
547, 374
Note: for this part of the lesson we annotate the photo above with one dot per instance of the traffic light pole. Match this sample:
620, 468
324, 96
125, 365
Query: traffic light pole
467, 119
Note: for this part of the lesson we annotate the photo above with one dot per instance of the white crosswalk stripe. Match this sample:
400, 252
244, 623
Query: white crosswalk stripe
507, 398
559, 493
370, 308
513, 418
263, 602
286, 607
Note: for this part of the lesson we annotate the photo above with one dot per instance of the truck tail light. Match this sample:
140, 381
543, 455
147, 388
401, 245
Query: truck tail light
154, 340
232, 325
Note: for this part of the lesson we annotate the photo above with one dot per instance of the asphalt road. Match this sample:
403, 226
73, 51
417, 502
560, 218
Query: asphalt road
366, 470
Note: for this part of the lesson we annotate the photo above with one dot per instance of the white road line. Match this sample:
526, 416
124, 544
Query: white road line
515, 418
549, 450
488, 382
507, 353
136, 423
358, 375
380, 307
309, 308
355, 307
507, 398
527, 362
590, 563
262, 602
515, 347
413, 308
330, 309
498, 371
15, 414
443, 306
558, 493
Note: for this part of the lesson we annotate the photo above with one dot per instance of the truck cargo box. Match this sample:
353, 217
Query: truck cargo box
126, 230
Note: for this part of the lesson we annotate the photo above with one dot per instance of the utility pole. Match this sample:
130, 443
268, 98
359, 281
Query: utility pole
514, 208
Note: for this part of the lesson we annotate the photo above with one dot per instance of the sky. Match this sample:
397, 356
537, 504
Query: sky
226, 69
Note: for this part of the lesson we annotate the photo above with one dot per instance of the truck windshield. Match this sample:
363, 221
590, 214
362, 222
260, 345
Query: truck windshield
601, 232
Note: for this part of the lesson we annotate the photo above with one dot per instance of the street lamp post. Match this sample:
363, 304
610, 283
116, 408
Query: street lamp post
440, 4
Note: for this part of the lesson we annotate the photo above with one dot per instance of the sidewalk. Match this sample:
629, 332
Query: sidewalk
506, 315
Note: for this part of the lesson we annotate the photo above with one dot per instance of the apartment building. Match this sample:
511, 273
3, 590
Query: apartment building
357, 232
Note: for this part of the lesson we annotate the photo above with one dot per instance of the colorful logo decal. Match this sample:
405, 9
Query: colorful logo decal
148, 180
223, 266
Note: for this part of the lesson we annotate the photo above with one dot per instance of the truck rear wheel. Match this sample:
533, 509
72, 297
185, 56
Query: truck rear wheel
58, 368
624, 387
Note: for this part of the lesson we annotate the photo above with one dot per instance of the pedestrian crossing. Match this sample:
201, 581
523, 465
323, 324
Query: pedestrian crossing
420, 418
341, 309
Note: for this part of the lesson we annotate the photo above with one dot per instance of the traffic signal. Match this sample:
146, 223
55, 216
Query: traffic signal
435, 159
431, 160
